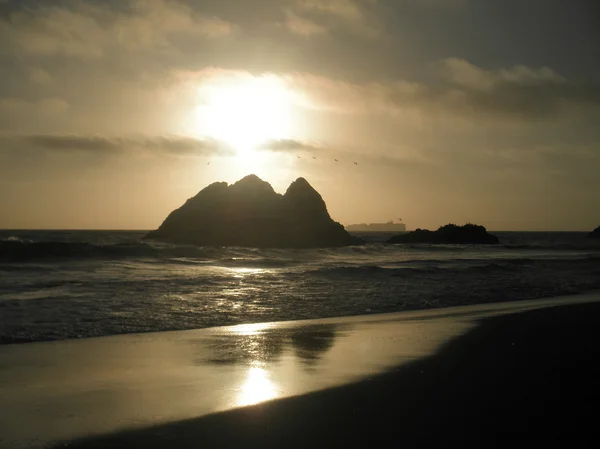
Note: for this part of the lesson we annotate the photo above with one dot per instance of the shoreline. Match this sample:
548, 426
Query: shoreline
187, 384
8, 341
521, 380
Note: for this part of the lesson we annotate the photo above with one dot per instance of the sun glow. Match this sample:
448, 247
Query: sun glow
245, 111
257, 388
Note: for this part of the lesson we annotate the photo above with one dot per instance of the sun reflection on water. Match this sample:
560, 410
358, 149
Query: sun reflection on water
241, 273
247, 270
257, 387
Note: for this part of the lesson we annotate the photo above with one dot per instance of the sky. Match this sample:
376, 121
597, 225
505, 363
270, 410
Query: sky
113, 113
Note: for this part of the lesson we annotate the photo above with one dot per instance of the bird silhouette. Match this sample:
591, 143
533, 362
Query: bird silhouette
356, 163
314, 157
208, 163
298, 157
336, 160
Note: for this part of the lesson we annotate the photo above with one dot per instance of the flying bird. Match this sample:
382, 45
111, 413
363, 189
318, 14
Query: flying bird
356, 163
298, 157
314, 157
336, 160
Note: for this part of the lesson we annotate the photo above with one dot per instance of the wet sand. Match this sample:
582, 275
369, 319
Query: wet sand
502, 375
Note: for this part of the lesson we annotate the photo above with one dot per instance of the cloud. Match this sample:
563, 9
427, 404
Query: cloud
325, 156
40, 77
183, 145
517, 92
346, 9
49, 30
290, 145
303, 27
73, 143
354, 16
153, 22
160, 145
333, 95
86, 30
49, 106
42, 112
457, 97
463, 73
460, 90
439, 3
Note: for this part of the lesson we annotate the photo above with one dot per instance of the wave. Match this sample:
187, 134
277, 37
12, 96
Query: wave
19, 249
256, 263
449, 267
364, 271
52, 284
585, 245
23, 251
28, 251
14, 238
352, 271
10, 268
449, 262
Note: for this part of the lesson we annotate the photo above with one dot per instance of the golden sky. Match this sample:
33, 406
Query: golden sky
113, 113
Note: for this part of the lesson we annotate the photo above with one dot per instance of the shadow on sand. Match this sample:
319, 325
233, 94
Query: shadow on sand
523, 380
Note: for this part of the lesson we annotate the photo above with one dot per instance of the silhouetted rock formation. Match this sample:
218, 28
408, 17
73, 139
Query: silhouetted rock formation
595, 234
450, 234
249, 213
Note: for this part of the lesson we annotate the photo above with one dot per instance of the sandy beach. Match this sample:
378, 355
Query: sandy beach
504, 374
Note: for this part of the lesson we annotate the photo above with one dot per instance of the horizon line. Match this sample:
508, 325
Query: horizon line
386, 232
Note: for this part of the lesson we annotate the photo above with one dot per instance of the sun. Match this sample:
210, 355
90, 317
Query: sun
245, 112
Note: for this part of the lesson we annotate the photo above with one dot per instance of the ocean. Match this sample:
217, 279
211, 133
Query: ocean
73, 284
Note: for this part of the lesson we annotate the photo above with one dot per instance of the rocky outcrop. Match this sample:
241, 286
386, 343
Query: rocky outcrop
595, 234
250, 213
449, 234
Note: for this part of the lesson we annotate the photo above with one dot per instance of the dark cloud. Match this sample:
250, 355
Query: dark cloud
358, 17
459, 89
74, 143
536, 101
167, 145
285, 145
520, 91
183, 145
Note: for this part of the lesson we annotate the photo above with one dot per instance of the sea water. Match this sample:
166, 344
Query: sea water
73, 284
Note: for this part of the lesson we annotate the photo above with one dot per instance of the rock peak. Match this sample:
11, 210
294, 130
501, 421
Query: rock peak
249, 213
301, 181
302, 186
252, 178
253, 183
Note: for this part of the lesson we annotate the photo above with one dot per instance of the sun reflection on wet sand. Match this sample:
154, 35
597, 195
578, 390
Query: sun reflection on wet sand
257, 388
250, 329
